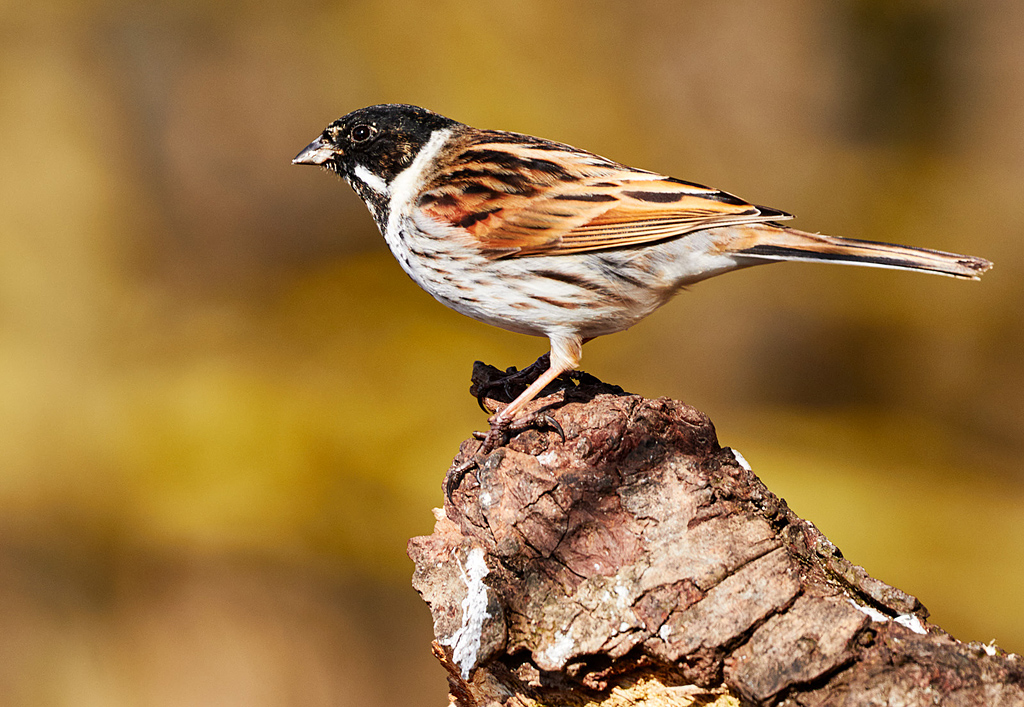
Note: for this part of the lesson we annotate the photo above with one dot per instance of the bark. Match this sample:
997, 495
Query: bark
638, 562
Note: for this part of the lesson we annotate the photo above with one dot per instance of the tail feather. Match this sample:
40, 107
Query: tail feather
772, 242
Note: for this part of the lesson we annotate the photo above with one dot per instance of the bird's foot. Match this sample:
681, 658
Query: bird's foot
489, 382
500, 432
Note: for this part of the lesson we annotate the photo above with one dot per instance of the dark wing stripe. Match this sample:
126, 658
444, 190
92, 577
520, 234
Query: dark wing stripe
469, 219
437, 199
659, 197
724, 197
709, 193
773, 213
520, 141
470, 174
514, 182
555, 147
686, 183
514, 162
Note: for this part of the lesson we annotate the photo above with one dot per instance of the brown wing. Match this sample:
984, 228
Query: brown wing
517, 196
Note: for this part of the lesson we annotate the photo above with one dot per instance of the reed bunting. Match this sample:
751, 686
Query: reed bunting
542, 238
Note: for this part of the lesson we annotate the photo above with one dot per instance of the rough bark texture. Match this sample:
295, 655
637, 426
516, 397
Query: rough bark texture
637, 562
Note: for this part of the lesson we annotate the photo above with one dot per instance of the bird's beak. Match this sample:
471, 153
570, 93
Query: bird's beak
316, 152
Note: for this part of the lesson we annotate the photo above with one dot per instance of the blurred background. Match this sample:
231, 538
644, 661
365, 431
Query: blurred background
224, 408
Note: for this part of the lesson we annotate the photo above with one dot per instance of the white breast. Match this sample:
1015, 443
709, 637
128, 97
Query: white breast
405, 188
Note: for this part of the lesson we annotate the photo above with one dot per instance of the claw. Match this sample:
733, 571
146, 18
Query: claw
532, 419
553, 424
489, 440
480, 402
456, 476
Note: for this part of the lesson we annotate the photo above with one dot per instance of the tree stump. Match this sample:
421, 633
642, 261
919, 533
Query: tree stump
638, 562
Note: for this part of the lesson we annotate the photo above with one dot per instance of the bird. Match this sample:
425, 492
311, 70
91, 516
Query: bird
541, 238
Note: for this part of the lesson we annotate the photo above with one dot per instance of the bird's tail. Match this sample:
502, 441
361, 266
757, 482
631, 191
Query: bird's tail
769, 241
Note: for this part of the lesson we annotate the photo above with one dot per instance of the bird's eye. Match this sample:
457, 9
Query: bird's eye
361, 133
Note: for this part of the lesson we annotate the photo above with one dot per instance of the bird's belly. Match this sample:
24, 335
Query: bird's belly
586, 294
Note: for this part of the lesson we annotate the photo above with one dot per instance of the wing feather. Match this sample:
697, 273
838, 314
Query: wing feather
519, 196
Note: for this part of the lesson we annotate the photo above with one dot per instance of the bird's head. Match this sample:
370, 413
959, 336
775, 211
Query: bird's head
371, 146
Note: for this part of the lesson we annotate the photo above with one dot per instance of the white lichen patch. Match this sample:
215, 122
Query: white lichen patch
740, 460
559, 650
912, 622
623, 596
907, 620
664, 632
548, 458
873, 613
465, 642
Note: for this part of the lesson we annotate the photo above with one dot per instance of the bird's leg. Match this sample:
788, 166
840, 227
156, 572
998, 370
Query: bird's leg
508, 413
565, 356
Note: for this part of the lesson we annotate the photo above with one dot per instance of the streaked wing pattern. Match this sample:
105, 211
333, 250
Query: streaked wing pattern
521, 196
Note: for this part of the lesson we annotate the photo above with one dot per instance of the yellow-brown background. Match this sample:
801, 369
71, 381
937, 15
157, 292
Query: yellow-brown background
223, 407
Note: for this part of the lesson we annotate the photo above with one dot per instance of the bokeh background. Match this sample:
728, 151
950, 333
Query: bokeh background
224, 408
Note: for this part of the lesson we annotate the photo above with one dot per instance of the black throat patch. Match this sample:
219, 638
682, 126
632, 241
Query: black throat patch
378, 204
